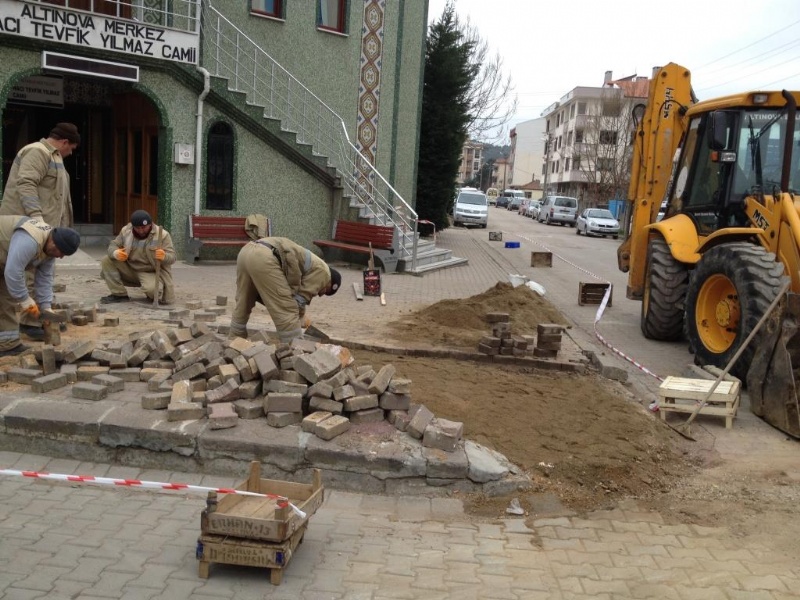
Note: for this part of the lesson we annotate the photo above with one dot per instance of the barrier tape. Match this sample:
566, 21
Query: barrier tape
600, 310
153, 485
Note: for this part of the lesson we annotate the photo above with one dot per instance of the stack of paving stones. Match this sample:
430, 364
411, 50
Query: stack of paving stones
193, 372
501, 341
548, 340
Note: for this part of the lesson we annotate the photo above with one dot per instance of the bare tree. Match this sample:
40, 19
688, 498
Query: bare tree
491, 100
602, 148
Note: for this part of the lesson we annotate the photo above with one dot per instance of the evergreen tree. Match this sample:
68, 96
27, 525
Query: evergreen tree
445, 116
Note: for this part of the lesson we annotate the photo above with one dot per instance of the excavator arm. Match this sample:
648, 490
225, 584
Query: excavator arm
661, 125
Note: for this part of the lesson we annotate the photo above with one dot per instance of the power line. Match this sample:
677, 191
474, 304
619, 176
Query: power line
766, 37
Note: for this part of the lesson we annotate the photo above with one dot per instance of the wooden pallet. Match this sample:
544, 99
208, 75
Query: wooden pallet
683, 395
222, 549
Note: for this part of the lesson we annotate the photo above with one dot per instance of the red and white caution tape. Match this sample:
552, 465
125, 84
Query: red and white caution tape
153, 485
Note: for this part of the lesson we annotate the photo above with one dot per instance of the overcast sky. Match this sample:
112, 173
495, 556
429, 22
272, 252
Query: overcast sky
550, 48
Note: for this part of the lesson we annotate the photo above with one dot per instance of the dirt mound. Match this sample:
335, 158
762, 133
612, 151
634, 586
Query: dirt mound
462, 322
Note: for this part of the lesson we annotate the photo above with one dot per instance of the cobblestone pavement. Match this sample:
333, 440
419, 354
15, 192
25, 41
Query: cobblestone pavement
72, 541
66, 540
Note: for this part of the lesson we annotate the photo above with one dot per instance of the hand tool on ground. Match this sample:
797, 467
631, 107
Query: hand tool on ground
685, 428
311, 332
158, 269
50, 316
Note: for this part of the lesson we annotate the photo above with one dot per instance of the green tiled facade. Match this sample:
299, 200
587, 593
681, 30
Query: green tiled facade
273, 175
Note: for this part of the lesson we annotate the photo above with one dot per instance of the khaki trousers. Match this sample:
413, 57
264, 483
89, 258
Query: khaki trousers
119, 275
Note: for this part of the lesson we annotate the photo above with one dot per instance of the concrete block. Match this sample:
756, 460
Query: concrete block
87, 373
110, 321
156, 400
47, 383
180, 313
28, 361
443, 435
249, 409
278, 385
331, 427
191, 372
381, 381
113, 383
48, 360
498, 317
390, 401
304, 346
181, 392
250, 389
79, 320
185, 411
193, 304
398, 418
283, 402
282, 419
139, 355
242, 365
222, 416
130, 374
222, 300
421, 419
320, 389
238, 344
89, 391
361, 402
292, 376
156, 381
317, 403
309, 423
320, 364
338, 380
399, 385
342, 393
71, 371
228, 391
78, 350
370, 415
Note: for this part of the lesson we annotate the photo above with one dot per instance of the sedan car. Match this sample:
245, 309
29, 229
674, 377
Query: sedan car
597, 221
533, 209
514, 204
502, 202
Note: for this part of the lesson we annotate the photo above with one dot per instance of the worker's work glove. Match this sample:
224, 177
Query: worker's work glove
120, 254
30, 308
305, 322
160, 254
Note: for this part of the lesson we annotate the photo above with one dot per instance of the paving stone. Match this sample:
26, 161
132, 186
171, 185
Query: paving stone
309, 423
89, 391
113, 383
369, 415
381, 380
283, 402
320, 364
156, 400
48, 383
443, 434
282, 419
222, 416
331, 427
421, 419
249, 409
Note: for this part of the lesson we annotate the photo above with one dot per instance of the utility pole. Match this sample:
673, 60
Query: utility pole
546, 161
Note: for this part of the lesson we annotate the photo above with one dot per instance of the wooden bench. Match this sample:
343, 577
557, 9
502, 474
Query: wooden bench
214, 231
355, 237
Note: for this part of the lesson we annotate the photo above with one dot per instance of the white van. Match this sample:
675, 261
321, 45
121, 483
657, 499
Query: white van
558, 209
471, 207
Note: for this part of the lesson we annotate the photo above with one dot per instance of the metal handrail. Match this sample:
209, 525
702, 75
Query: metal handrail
230, 54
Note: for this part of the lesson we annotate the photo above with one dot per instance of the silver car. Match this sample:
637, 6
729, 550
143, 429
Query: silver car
597, 221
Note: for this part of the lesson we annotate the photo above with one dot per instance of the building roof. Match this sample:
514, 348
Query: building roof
632, 86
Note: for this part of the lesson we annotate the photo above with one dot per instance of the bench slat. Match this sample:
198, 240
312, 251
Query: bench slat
381, 236
215, 231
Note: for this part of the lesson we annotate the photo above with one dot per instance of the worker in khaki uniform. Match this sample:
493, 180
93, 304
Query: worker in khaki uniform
38, 183
28, 245
132, 258
38, 186
284, 277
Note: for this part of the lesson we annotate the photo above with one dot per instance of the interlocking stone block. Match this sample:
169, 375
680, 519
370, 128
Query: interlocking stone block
287, 363
156, 381
250, 389
110, 321
278, 385
309, 423
222, 300
222, 416
226, 392
78, 350
320, 364
399, 385
71, 371
283, 402
215, 310
292, 376
49, 360
199, 329
381, 381
360, 402
149, 372
227, 372
443, 435
421, 419
331, 427
193, 304
390, 401
139, 354
180, 313
370, 415
249, 409
341, 378
156, 400
3, 377
80, 320
282, 419
242, 365
239, 344
113, 383
86, 373
47, 383
161, 343
304, 346
185, 411
181, 392
317, 403
498, 317
401, 419
28, 361
191, 372
257, 348
320, 389
343, 393
130, 374
89, 391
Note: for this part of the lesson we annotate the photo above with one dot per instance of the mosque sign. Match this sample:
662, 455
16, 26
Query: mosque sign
48, 22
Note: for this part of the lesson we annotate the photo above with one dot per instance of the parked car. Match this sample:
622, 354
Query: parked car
471, 207
502, 201
515, 203
597, 221
558, 209
492, 194
533, 209
523, 208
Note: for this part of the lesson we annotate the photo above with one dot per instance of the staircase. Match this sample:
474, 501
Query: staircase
292, 114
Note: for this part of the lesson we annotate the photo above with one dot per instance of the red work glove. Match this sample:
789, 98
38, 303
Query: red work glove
120, 254
30, 308
160, 254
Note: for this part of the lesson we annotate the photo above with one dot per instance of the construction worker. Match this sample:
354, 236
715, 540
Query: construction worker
284, 277
28, 245
132, 259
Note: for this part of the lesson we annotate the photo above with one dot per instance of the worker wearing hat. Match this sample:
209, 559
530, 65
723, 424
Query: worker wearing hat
284, 277
38, 183
28, 245
132, 258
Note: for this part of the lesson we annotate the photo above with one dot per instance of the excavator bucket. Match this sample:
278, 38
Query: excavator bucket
772, 380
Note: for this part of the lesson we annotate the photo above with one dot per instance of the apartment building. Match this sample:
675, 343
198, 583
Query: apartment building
471, 161
527, 152
587, 140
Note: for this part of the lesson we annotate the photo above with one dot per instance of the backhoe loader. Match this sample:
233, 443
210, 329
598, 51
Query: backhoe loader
725, 174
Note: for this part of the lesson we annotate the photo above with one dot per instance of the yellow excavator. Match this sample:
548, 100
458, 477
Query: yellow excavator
725, 174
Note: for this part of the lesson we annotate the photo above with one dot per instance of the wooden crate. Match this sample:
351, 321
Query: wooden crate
222, 549
593, 293
541, 259
495, 236
259, 518
683, 395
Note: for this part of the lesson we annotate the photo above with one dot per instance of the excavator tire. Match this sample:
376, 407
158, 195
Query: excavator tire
729, 290
664, 295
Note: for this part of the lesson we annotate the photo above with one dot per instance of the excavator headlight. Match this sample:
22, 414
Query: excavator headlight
760, 98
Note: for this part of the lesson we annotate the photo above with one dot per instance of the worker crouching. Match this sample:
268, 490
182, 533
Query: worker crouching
284, 277
132, 259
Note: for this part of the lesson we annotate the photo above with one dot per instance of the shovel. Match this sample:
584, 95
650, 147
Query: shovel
156, 292
685, 429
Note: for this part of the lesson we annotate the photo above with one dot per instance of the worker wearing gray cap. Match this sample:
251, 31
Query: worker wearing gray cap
28, 245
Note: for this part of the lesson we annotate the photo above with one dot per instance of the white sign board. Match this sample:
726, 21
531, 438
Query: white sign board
39, 90
52, 23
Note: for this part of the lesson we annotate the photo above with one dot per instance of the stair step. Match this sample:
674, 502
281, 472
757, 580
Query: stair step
453, 261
